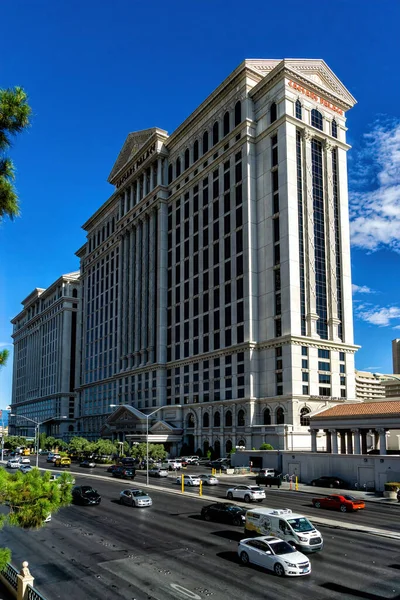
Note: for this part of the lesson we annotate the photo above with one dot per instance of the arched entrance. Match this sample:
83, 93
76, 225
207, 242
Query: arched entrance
217, 449
228, 446
206, 447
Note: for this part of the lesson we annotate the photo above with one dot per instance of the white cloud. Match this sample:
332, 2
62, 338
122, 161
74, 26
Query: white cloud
375, 189
378, 315
2, 344
362, 289
373, 369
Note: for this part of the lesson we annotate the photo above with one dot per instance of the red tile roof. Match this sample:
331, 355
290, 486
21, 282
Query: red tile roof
361, 409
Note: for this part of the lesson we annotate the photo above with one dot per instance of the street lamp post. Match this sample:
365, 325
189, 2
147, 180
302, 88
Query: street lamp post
147, 417
38, 424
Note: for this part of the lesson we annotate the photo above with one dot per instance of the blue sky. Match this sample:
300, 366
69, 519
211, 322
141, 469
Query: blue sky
96, 70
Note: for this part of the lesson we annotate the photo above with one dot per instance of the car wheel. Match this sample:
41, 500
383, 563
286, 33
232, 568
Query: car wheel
244, 557
230, 496
279, 570
260, 500
343, 508
247, 498
317, 504
236, 522
313, 483
207, 517
331, 485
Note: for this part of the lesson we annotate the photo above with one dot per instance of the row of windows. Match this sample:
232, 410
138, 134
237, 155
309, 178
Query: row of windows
219, 131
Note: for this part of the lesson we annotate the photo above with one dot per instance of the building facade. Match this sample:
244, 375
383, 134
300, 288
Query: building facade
369, 386
216, 279
396, 355
45, 364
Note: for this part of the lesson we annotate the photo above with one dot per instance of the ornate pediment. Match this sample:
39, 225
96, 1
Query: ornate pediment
162, 427
314, 71
132, 145
125, 413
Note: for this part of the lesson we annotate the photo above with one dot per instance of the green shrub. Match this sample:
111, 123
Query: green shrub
266, 447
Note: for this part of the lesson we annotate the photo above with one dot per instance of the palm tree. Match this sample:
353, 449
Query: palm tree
14, 118
3, 357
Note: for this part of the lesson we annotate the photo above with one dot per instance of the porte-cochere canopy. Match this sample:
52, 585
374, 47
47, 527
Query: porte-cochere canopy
129, 423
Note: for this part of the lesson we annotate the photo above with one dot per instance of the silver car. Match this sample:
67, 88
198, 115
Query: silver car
158, 472
135, 497
209, 480
25, 468
13, 464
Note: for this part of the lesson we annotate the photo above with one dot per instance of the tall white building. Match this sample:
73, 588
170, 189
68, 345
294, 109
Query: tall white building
216, 278
396, 355
45, 363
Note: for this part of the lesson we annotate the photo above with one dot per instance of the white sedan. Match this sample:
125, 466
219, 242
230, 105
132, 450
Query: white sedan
248, 493
273, 554
189, 480
13, 464
209, 480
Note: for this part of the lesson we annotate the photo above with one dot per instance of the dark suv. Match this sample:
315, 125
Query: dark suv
128, 462
124, 473
85, 495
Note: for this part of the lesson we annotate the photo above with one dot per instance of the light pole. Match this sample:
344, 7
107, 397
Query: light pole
147, 417
38, 424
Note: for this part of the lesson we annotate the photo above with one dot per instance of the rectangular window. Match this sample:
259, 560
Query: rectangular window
343, 381
305, 390
322, 378
323, 353
324, 391
304, 351
304, 376
304, 364
278, 327
343, 368
324, 366
341, 356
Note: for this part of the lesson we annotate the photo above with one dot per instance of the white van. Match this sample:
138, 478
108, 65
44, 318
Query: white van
291, 527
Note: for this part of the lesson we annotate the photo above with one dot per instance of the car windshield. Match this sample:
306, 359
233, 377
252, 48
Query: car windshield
301, 524
234, 509
138, 493
351, 498
86, 489
282, 548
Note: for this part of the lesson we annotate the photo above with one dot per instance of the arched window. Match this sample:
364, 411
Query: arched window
206, 420
226, 123
74, 293
215, 133
205, 142
317, 119
240, 418
228, 419
217, 449
272, 112
70, 428
228, 446
170, 174
186, 158
196, 151
334, 129
305, 417
238, 113
178, 167
299, 114
242, 444
267, 417
206, 446
190, 421
280, 416
217, 419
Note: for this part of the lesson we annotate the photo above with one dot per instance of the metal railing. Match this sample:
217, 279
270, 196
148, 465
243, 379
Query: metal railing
10, 574
33, 594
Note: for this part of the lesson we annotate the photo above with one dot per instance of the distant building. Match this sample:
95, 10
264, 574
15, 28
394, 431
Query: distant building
45, 361
369, 386
216, 278
396, 355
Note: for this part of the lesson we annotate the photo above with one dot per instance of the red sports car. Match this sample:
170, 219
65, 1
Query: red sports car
337, 502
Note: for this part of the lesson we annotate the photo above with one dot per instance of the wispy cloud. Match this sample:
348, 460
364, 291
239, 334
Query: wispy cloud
375, 189
2, 344
362, 289
372, 369
378, 315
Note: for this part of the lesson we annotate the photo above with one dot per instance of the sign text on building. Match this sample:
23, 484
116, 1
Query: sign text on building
136, 165
315, 97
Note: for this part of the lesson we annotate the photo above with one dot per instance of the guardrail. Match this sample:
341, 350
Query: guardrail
10, 573
33, 594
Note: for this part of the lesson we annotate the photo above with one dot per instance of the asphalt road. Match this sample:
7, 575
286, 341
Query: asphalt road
378, 515
166, 552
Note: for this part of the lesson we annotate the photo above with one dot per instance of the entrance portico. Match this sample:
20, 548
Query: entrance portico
361, 427
127, 423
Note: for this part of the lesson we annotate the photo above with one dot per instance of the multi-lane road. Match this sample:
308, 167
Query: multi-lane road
166, 552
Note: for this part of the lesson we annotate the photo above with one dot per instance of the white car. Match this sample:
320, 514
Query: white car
174, 464
248, 493
24, 460
13, 464
158, 472
56, 477
25, 468
189, 480
274, 554
135, 497
209, 480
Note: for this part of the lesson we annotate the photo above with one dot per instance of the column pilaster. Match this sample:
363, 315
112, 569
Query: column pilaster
357, 441
333, 433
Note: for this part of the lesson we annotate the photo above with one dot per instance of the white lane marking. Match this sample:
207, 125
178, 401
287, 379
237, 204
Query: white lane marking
184, 591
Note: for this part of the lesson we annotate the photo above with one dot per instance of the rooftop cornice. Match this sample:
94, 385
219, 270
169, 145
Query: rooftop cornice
243, 70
